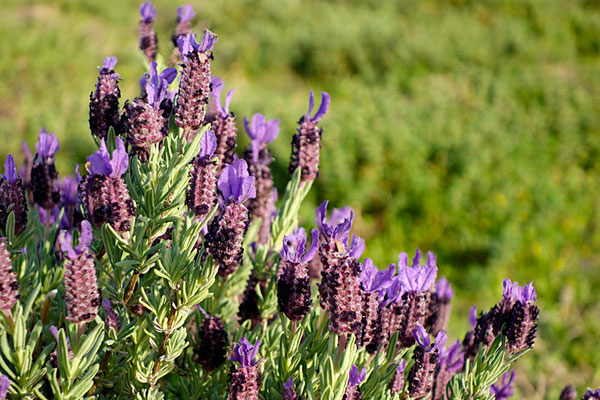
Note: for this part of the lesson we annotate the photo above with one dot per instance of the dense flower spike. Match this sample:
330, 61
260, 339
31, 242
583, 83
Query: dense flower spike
81, 288
12, 196
148, 38
355, 378
104, 193
336, 217
9, 287
202, 193
425, 356
439, 306
293, 283
104, 101
591, 395
521, 325
210, 347
397, 382
306, 143
261, 132
504, 390
194, 86
568, 393
44, 178
226, 233
245, 379
410, 309
112, 318
222, 123
185, 14
451, 361
146, 118
4, 386
288, 390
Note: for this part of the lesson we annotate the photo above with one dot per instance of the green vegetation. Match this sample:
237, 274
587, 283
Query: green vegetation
470, 128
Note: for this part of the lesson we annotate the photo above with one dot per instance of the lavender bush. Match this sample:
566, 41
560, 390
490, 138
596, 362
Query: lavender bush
208, 286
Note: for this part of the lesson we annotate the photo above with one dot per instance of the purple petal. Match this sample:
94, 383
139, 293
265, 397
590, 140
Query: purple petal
356, 377
109, 63
10, 169
54, 332
401, 366
504, 391
357, 247
384, 279
440, 340
217, 85
325, 101
402, 260
85, 237
100, 161
431, 261
185, 13
208, 41
289, 385
367, 275
425, 277
4, 386
65, 240
225, 111
120, 160
311, 102
168, 74
208, 144
444, 289
528, 294
422, 336
147, 12
314, 246
473, 317
47, 144
321, 217
417, 260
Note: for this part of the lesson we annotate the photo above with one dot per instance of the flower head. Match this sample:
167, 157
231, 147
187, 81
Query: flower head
425, 341
296, 253
591, 394
188, 44
235, 183
417, 278
4, 386
323, 108
147, 12
262, 131
10, 170
102, 164
217, 86
185, 13
156, 85
356, 377
505, 390
47, 144
444, 289
65, 240
245, 353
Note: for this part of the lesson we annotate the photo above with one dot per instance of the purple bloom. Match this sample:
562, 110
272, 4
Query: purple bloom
337, 231
323, 108
452, 357
202, 192
288, 390
44, 178
505, 390
235, 183
4, 386
444, 290
356, 377
211, 346
424, 340
112, 318
217, 87
245, 353
185, 13
147, 12
591, 394
473, 317
148, 40
104, 100
417, 279
261, 132
296, 253
568, 393
102, 164
108, 64
10, 170
156, 85
188, 44
66, 241
47, 144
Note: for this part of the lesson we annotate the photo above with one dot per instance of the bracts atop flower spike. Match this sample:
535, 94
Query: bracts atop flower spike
148, 38
293, 283
9, 287
81, 288
306, 143
104, 194
146, 119
245, 379
44, 178
226, 233
12, 194
288, 390
185, 14
222, 123
355, 378
202, 193
194, 86
261, 132
426, 356
104, 101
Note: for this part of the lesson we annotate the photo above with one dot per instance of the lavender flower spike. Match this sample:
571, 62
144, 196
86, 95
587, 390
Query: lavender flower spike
210, 348
44, 178
12, 194
307, 141
202, 192
148, 39
104, 100
185, 14
426, 357
81, 288
505, 390
4, 386
9, 287
293, 283
244, 380
568, 393
439, 306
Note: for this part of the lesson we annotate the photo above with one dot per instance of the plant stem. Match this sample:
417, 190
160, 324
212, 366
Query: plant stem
163, 345
131, 287
341, 347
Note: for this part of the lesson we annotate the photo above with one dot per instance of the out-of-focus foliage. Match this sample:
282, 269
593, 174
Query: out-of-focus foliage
471, 128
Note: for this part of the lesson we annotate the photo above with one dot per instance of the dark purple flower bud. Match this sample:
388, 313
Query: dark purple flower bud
81, 288
521, 325
104, 193
4, 386
307, 141
104, 101
504, 390
12, 194
211, 345
355, 378
245, 380
288, 390
112, 318
397, 382
591, 395
202, 192
148, 38
439, 306
293, 283
185, 14
568, 393
9, 287
426, 357
44, 178
194, 86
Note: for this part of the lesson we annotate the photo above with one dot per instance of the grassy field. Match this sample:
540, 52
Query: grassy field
470, 128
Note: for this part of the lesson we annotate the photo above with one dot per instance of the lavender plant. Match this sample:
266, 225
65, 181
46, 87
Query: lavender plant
173, 272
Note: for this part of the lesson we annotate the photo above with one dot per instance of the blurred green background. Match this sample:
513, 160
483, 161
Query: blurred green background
470, 128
